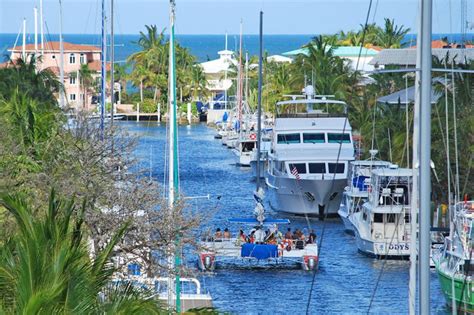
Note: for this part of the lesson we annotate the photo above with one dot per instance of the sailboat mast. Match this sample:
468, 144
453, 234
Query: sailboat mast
41, 28
173, 184
240, 80
259, 106
103, 71
225, 75
112, 79
61, 54
415, 204
35, 13
425, 157
23, 47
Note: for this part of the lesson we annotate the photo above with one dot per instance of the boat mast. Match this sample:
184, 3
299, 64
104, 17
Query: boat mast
225, 75
240, 85
112, 79
415, 205
425, 156
173, 179
103, 73
23, 49
41, 27
35, 13
259, 106
61, 55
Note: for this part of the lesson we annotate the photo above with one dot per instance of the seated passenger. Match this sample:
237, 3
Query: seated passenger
227, 233
251, 237
312, 237
288, 234
242, 236
218, 234
297, 234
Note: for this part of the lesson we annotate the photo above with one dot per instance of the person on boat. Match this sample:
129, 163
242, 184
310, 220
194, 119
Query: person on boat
218, 234
251, 237
227, 234
312, 237
259, 236
297, 234
242, 236
288, 234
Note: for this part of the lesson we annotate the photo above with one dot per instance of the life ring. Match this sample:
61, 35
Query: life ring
253, 136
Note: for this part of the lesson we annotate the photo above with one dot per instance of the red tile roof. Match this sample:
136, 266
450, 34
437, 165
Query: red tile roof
54, 46
95, 65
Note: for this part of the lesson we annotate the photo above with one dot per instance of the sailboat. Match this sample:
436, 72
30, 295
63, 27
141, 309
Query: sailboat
176, 300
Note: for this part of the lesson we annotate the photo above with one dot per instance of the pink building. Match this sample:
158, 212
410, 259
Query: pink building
77, 95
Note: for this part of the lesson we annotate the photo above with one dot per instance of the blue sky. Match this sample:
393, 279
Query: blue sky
219, 16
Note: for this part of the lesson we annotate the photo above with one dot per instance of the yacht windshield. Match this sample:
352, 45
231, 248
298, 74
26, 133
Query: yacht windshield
300, 168
317, 168
337, 168
288, 138
313, 138
339, 137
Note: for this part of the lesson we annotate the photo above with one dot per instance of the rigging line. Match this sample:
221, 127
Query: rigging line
338, 157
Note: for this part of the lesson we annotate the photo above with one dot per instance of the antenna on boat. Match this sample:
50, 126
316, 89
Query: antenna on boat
259, 106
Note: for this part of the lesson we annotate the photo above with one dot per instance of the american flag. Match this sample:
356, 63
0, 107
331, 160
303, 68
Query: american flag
294, 172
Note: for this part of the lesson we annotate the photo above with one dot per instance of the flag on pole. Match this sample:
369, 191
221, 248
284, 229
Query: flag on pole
295, 173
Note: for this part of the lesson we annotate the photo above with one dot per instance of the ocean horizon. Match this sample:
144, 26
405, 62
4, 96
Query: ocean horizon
204, 47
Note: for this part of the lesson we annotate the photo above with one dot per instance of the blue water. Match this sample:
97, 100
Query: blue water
345, 280
204, 47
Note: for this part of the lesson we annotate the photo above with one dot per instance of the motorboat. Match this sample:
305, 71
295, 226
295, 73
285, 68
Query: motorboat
356, 191
310, 153
382, 227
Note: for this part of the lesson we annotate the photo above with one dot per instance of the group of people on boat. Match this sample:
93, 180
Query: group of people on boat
259, 235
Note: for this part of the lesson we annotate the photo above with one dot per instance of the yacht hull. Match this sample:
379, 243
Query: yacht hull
320, 197
348, 228
382, 249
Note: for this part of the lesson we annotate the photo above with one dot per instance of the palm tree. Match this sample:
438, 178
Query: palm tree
46, 265
86, 79
391, 35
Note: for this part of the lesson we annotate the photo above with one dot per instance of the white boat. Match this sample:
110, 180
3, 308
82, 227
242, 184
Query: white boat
244, 148
356, 191
265, 146
234, 250
382, 227
310, 154
259, 247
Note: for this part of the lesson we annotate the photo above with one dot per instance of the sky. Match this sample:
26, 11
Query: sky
219, 16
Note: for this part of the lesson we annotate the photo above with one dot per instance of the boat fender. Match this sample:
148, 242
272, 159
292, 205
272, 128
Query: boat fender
207, 261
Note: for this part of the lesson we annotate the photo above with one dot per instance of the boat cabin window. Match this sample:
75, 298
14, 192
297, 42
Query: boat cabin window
364, 216
407, 218
313, 138
288, 138
337, 168
394, 195
247, 146
339, 137
391, 217
378, 217
317, 168
300, 167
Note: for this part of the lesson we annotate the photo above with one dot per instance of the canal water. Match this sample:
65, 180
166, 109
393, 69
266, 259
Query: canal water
346, 282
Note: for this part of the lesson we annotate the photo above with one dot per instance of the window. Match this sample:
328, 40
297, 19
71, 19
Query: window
391, 217
300, 167
313, 138
288, 138
339, 137
337, 168
407, 218
72, 97
82, 59
72, 80
72, 58
317, 168
53, 57
378, 217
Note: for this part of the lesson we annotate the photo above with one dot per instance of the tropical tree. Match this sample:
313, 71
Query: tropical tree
87, 80
46, 266
391, 35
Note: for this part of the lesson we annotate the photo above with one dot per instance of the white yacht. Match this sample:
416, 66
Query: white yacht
356, 191
265, 146
310, 154
244, 147
382, 227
